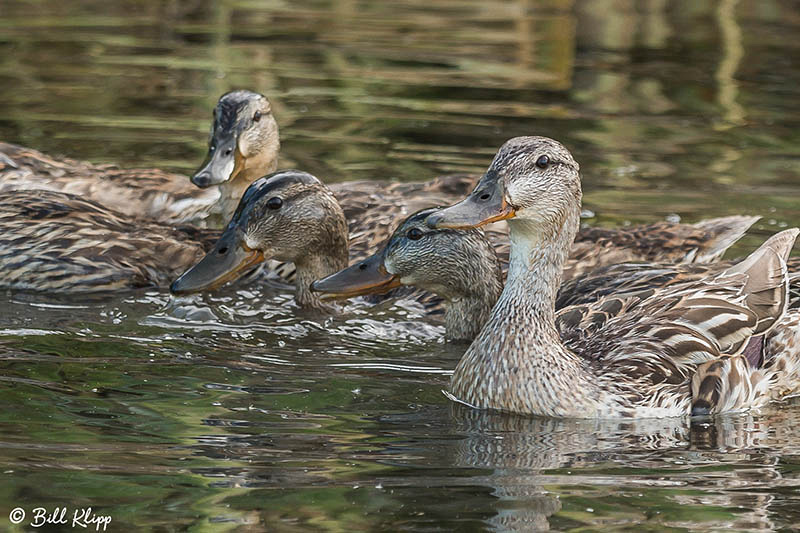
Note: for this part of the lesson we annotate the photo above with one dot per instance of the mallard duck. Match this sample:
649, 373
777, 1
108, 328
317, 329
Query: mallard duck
466, 269
461, 267
725, 342
290, 216
57, 242
243, 146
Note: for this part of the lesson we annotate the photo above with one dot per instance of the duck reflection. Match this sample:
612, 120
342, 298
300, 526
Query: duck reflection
531, 459
521, 450
453, 466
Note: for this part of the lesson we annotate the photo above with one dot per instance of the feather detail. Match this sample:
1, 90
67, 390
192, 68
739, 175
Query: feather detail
140, 193
51, 241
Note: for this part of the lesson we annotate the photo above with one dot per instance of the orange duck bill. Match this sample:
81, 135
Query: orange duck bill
366, 277
486, 204
229, 260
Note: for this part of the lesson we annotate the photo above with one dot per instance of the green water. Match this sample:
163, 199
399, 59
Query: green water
232, 412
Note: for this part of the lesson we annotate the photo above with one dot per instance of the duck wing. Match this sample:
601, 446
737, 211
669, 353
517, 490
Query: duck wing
51, 241
702, 242
630, 278
634, 278
139, 193
647, 346
595, 265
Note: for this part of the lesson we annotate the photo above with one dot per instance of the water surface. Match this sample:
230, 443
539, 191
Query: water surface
233, 412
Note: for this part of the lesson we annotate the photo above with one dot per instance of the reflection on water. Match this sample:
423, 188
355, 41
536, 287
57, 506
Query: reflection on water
234, 411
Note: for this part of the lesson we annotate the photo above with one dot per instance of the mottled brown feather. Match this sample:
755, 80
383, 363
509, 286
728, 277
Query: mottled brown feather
51, 241
141, 193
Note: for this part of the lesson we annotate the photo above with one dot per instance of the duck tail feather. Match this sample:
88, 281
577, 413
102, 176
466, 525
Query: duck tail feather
767, 285
725, 232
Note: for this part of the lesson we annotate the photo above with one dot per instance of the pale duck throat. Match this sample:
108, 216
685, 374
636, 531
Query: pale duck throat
517, 362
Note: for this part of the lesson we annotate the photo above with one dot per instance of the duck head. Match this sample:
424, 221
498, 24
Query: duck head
531, 179
441, 261
288, 216
459, 265
243, 143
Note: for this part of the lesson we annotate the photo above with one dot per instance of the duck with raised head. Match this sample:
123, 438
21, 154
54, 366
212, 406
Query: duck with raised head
243, 146
466, 268
725, 342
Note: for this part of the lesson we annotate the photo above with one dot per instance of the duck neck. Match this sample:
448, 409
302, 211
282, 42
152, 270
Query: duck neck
464, 317
230, 192
535, 267
518, 363
468, 310
326, 257
310, 270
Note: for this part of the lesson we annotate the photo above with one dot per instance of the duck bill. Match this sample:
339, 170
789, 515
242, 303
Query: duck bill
227, 261
486, 204
367, 277
221, 164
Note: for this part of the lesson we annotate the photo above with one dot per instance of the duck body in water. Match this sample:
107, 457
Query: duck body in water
679, 350
56, 242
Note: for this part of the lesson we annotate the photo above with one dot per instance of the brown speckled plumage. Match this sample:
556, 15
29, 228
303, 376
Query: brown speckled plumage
637, 278
636, 356
51, 241
146, 193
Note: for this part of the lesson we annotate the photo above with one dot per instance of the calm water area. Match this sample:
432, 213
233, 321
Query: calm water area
234, 412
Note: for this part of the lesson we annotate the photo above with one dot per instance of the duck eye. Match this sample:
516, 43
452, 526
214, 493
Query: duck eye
543, 161
274, 203
257, 116
414, 234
